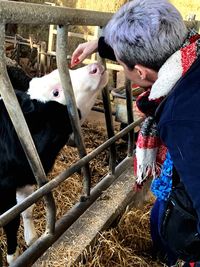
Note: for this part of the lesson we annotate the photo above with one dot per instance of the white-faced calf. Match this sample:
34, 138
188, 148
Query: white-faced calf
46, 114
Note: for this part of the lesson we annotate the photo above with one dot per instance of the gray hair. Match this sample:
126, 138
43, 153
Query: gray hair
145, 32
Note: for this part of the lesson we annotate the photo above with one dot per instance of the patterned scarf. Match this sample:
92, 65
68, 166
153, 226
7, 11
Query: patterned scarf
150, 152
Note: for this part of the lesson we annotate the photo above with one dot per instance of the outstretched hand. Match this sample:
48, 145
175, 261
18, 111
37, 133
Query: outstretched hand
82, 51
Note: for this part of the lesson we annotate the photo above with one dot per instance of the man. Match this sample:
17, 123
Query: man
150, 40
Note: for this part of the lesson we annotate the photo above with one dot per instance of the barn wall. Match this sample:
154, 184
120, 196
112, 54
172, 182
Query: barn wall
187, 7
184, 6
98, 5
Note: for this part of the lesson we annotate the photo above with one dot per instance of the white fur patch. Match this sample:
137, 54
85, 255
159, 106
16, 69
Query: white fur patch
168, 75
30, 234
11, 258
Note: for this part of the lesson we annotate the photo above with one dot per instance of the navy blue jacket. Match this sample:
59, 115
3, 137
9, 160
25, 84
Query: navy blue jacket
178, 119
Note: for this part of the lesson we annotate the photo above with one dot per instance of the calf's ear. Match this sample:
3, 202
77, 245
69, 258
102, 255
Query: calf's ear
27, 105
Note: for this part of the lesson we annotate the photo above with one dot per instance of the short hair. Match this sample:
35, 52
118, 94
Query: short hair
145, 32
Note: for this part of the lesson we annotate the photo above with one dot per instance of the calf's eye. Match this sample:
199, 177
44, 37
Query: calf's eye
56, 92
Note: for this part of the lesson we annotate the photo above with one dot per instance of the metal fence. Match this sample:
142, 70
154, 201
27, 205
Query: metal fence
25, 13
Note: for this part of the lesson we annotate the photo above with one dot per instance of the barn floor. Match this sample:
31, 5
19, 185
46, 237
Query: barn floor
126, 243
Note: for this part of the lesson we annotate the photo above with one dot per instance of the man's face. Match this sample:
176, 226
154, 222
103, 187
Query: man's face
135, 76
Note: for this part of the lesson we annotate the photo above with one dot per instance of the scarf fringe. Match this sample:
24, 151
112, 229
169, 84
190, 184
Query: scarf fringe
148, 167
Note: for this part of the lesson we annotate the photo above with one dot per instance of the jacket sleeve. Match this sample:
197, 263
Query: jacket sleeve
182, 139
105, 51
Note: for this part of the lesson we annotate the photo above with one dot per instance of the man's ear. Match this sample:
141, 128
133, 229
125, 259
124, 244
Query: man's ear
142, 71
146, 73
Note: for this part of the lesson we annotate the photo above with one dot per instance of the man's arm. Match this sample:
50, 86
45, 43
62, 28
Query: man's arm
86, 49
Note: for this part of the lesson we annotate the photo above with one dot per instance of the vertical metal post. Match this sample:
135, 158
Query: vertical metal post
109, 124
17, 118
109, 120
61, 57
129, 105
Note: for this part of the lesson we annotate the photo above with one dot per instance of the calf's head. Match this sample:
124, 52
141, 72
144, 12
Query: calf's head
86, 82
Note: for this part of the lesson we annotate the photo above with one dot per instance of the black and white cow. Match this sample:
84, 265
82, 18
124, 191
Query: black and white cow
43, 105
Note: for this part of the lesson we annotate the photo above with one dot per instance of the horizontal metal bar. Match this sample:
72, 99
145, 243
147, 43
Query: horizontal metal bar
84, 36
45, 241
101, 110
12, 213
109, 66
28, 13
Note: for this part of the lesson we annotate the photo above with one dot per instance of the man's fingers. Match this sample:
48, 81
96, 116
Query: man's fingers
75, 56
78, 59
74, 61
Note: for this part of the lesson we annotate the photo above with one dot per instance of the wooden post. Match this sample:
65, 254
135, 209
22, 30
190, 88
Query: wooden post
43, 51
